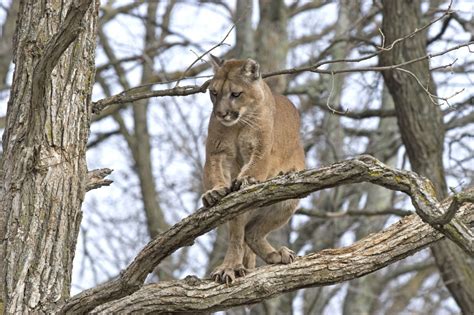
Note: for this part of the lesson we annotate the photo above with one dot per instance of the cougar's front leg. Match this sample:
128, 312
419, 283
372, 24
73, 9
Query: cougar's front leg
216, 179
256, 168
232, 267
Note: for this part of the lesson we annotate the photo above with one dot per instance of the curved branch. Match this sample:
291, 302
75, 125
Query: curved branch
326, 267
294, 185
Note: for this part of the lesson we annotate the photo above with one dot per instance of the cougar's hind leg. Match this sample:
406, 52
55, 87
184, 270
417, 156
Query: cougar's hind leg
263, 222
232, 266
249, 258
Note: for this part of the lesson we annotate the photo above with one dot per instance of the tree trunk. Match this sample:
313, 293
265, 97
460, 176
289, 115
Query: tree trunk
44, 143
422, 130
272, 37
245, 35
141, 147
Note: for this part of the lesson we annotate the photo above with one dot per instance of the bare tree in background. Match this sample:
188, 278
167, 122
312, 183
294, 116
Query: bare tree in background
328, 57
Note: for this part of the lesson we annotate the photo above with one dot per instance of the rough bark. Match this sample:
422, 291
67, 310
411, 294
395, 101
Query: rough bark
422, 130
44, 168
96, 178
419, 119
290, 186
319, 269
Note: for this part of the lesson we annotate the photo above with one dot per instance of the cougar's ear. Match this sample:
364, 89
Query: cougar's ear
216, 62
251, 69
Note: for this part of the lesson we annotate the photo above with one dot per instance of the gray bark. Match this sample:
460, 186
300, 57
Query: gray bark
44, 169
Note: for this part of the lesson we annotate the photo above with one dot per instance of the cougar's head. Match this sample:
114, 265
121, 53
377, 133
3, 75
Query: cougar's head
236, 89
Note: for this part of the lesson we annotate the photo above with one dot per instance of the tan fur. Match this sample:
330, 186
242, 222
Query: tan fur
261, 143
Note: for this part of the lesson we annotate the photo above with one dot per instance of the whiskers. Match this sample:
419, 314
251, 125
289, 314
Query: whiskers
251, 121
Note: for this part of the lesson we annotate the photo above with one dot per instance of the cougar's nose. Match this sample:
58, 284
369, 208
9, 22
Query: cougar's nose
221, 113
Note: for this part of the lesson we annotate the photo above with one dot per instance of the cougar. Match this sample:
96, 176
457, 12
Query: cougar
253, 135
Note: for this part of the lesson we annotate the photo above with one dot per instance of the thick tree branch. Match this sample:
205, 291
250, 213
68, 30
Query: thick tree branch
326, 267
294, 185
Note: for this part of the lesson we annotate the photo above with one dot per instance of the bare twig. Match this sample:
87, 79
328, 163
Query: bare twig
354, 213
446, 13
123, 97
432, 96
315, 68
204, 54
328, 105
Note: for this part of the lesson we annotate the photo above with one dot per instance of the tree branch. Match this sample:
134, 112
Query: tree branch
289, 186
126, 97
96, 178
326, 267
353, 213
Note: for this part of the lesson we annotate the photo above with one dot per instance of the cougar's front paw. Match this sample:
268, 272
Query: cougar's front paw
227, 274
282, 256
211, 197
242, 182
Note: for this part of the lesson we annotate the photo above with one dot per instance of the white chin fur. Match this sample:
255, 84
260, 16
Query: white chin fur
229, 123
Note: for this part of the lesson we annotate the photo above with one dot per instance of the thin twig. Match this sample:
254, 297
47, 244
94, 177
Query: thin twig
328, 105
204, 54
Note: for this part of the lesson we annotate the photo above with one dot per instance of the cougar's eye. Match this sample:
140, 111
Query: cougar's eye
235, 94
213, 92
